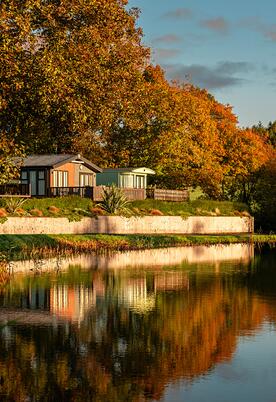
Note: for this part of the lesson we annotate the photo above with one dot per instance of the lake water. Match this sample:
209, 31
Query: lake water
182, 324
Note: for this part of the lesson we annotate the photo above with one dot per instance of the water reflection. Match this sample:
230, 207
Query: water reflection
125, 334
142, 258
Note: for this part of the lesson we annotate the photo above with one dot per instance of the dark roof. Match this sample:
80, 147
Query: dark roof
54, 161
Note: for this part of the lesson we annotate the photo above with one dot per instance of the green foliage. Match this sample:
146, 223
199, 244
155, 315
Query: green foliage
259, 193
21, 244
75, 217
268, 133
8, 150
12, 204
3, 219
264, 200
115, 202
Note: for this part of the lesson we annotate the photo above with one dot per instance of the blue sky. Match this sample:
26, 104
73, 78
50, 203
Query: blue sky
227, 47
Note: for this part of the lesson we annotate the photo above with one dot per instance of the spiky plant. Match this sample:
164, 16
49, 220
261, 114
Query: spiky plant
12, 204
115, 202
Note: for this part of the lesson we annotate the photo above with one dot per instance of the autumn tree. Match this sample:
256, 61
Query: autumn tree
143, 140
174, 133
248, 156
189, 138
268, 133
8, 150
69, 70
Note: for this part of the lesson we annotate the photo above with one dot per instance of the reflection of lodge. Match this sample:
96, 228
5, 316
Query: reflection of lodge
136, 295
73, 302
35, 298
64, 301
139, 294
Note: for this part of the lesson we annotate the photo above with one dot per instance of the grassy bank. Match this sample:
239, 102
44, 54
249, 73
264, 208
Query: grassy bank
46, 245
74, 208
192, 208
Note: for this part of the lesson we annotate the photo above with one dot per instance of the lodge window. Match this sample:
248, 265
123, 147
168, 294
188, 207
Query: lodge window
126, 180
24, 177
140, 181
60, 178
86, 179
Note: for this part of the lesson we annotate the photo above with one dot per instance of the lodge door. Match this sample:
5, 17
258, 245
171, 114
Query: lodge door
38, 182
140, 181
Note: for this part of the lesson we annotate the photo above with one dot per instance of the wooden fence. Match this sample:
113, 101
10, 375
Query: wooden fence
133, 194
167, 195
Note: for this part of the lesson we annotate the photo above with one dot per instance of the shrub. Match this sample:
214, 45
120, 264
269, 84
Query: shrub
36, 212
115, 202
54, 210
156, 212
237, 213
13, 204
245, 213
97, 211
3, 213
20, 211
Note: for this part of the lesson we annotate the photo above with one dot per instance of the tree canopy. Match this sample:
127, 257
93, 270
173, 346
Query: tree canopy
69, 69
8, 150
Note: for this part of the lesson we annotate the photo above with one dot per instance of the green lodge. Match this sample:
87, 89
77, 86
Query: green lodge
125, 177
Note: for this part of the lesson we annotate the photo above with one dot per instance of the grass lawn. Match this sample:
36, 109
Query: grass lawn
75, 207
190, 208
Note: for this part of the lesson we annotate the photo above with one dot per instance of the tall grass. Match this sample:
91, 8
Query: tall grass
27, 246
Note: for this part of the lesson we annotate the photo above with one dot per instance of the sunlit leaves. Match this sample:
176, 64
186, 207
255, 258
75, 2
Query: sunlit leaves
8, 150
69, 68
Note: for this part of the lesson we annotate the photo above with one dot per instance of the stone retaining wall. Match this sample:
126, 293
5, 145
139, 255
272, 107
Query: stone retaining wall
121, 225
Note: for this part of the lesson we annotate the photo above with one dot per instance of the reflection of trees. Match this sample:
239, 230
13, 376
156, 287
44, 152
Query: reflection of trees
118, 354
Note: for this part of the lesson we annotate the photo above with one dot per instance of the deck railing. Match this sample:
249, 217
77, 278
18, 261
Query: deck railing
65, 191
15, 189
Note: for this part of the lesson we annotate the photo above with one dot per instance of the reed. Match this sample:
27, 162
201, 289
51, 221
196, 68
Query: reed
27, 246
